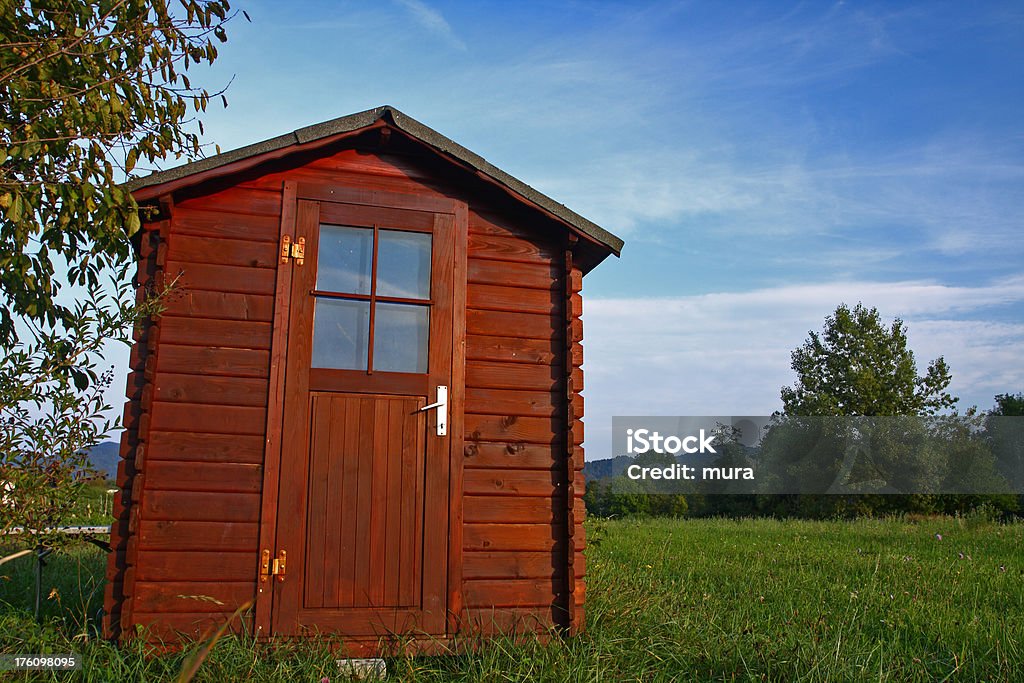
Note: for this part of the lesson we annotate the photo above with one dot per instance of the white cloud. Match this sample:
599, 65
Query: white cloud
729, 353
433, 21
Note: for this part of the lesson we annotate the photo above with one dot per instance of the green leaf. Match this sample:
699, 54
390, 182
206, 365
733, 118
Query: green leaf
133, 225
15, 209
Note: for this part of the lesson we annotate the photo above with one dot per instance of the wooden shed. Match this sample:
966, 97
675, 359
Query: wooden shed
360, 408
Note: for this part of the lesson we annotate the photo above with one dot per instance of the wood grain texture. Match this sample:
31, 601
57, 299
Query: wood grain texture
228, 252
219, 278
221, 477
511, 325
514, 299
196, 566
200, 447
511, 592
188, 535
509, 456
192, 596
491, 375
208, 418
512, 349
542, 483
531, 275
234, 200
212, 360
514, 537
227, 391
223, 305
223, 224
200, 506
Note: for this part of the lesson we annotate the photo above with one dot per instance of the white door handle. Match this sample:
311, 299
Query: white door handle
442, 409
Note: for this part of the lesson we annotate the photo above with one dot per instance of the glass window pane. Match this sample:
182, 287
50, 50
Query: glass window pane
403, 264
341, 332
345, 259
400, 340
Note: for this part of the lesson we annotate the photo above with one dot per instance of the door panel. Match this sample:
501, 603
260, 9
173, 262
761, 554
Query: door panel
359, 444
364, 484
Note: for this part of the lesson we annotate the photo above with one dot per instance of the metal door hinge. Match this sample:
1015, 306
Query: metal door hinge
294, 250
272, 567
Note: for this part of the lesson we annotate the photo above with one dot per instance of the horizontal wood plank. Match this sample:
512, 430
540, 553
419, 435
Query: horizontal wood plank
229, 252
213, 361
196, 566
512, 482
167, 627
508, 509
512, 349
511, 592
220, 278
180, 535
513, 273
223, 305
510, 621
492, 220
505, 428
514, 537
496, 375
236, 334
233, 199
513, 565
511, 248
208, 418
232, 391
516, 325
186, 476
201, 506
192, 596
515, 299
510, 456
225, 224
199, 447
511, 402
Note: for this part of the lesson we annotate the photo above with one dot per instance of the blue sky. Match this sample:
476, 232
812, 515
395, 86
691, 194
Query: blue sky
764, 162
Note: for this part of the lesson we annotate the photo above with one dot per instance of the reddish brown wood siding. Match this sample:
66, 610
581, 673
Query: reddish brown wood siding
198, 409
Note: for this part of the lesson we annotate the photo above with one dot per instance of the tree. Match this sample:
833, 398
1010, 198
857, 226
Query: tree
1006, 433
857, 366
1008, 405
88, 89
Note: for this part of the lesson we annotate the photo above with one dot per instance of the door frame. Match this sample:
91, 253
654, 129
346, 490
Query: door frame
292, 192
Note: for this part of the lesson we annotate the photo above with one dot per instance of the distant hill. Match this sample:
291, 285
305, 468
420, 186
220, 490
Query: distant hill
608, 467
104, 457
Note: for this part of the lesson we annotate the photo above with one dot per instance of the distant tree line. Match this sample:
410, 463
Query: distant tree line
856, 366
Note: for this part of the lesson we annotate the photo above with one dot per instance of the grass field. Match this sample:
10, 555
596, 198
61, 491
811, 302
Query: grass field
748, 600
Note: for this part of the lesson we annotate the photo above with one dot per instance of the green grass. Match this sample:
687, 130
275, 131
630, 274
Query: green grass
749, 600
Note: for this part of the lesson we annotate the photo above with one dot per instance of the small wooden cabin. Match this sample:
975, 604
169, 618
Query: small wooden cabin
360, 409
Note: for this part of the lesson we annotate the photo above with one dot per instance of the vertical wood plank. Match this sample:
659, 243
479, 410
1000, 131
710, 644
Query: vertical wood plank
363, 503
394, 494
316, 513
457, 429
378, 502
291, 508
336, 503
349, 550
275, 411
412, 490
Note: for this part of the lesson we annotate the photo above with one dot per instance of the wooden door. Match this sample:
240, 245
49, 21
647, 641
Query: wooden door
363, 495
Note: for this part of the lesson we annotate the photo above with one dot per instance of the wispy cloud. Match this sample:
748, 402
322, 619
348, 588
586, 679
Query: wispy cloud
729, 353
433, 21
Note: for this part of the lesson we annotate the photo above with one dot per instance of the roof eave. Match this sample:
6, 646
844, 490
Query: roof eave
311, 137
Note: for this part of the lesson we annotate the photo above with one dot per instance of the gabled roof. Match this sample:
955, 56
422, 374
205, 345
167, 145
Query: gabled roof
303, 138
